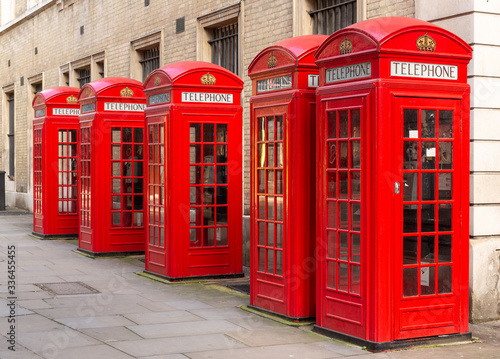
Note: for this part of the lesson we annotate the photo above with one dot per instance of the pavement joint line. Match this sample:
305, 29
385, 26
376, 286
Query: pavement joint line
274, 317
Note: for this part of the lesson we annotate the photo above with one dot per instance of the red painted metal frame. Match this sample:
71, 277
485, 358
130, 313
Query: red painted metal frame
97, 234
375, 316
284, 284
169, 250
48, 220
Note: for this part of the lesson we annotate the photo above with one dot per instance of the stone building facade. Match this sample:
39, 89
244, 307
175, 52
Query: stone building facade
47, 43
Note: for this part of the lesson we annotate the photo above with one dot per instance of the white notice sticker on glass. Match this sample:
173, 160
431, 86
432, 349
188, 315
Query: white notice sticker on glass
413, 133
424, 276
430, 152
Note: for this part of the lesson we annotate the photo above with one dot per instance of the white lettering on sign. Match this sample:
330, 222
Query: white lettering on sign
65, 111
422, 70
312, 80
274, 83
349, 72
207, 97
39, 113
159, 98
123, 106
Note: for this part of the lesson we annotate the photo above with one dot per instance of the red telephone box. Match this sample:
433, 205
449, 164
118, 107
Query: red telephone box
194, 182
111, 166
283, 116
393, 177
55, 128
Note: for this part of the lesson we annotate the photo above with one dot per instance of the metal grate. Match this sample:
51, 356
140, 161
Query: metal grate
150, 61
84, 77
67, 288
10, 135
180, 25
332, 15
225, 47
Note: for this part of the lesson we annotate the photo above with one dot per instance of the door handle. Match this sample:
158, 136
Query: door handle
396, 187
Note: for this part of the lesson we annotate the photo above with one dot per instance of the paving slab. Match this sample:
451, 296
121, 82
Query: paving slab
274, 336
221, 313
95, 351
184, 328
110, 334
169, 356
177, 345
175, 316
95, 322
33, 304
188, 304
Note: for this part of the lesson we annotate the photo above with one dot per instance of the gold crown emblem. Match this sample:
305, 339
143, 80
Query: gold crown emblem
39, 100
272, 61
345, 46
126, 92
426, 43
86, 93
208, 79
71, 99
157, 81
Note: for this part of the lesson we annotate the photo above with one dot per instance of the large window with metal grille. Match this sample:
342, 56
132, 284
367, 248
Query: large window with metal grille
10, 135
331, 15
224, 46
150, 61
83, 76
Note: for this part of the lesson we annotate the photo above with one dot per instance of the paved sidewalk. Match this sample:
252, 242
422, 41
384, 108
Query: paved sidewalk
135, 317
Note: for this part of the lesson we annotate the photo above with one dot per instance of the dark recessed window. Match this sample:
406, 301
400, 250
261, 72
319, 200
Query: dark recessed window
150, 61
225, 47
84, 77
332, 15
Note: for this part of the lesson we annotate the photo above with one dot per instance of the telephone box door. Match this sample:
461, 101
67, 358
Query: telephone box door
428, 270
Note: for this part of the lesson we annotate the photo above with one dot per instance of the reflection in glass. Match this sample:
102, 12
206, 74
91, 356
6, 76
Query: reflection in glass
221, 154
262, 259
343, 277
138, 220
410, 250
208, 174
261, 181
208, 216
331, 274
195, 237
279, 128
115, 152
279, 263
446, 155
116, 202
427, 251
195, 174
195, 132
115, 219
208, 154
427, 280
221, 174
332, 155
428, 185
279, 155
270, 155
116, 185
344, 215
332, 214
279, 182
127, 135
410, 155
116, 135
262, 233
115, 169
261, 153
343, 124
428, 123
270, 208
444, 279
270, 181
331, 251
356, 216
428, 155
445, 186
262, 207
355, 185
270, 261
356, 248
444, 248
208, 132
208, 195
279, 208
356, 123
343, 246
138, 137
261, 131
344, 154
428, 218
279, 235
221, 133
270, 235
445, 216
445, 124
410, 186
410, 217
344, 185
221, 195
410, 118
270, 128
331, 180
355, 279
332, 124
356, 154
410, 282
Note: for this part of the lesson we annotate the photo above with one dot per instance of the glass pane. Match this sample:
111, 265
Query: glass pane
116, 219
332, 124
222, 133
279, 208
195, 237
279, 182
332, 155
279, 235
410, 250
270, 128
428, 218
138, 203
162, 237
445, 155
410, 118
279, 128
270, 208
356, 248
138, 169
262, 233
208, 196
208, 237
410, 217
128, 202
355, 279
445, 124
428, 123
343, 246
343, 124
208, 132
270, 235
195, 132
138, 220
115, 169
72, 136
331, 275
138, 138
127, 152
221, 195
344, 154
261, 181
116, 202
279, 155
262, 259
270, 261
356, 154
195, 174
427, 251
261, 153
115, 152
356, 217
355, 185
444, 279
221, 154
445, 186
444, 249
332, 214
410, 282
279, 263
343, 277
116, 185
270, 155
428, 155
428, 186
344, 185
331, 251
116, 135
270, 181
262, 207
195, 153
208, 174
427, 280
410, 186
331, 180
344, 215
410, 155
127, 135
445, 216
221, 174
127, 169
261, 130
126, 219
355, 123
